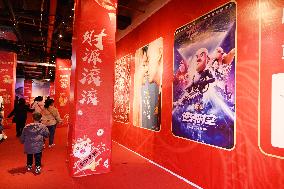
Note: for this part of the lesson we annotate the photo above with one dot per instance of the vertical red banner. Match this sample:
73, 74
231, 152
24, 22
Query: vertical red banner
8, 79
62, 88
28, 91
271, 127
51, 90
93, 57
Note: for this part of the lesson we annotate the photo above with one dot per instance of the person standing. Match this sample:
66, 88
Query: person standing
38, 104
3, 136
32, 137
20, 115
50, 118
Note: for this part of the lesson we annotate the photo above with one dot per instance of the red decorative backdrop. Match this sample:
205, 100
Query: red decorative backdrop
245, 166
93, 56
8, 79
62, 88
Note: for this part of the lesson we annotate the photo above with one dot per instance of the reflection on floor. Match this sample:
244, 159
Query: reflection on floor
129, 171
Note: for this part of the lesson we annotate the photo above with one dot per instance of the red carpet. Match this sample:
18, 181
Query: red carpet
128, 169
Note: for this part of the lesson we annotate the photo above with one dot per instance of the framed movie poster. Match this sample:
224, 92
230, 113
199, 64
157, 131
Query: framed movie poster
122, 89
148, 85
204, 79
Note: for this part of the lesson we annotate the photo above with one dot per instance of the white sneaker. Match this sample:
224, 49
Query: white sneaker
29, 168
37, 170
50, 146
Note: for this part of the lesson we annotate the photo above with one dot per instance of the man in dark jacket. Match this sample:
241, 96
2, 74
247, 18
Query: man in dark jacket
33, 139
20, 114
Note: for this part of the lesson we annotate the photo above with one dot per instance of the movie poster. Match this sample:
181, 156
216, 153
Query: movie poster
148, 85
204, 79
122, 89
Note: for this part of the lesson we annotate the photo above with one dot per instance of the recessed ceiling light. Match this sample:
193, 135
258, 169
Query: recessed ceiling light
60, 35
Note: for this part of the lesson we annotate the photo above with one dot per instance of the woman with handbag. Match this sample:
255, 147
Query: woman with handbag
50, 118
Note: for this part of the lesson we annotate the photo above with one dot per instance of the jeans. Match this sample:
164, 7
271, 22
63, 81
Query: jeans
37, 159
51, 130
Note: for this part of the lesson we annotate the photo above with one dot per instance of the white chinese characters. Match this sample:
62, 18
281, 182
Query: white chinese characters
91, 72
199, 119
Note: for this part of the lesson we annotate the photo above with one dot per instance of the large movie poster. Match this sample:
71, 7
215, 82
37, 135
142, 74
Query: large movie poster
122, 89
148, 85
204, 79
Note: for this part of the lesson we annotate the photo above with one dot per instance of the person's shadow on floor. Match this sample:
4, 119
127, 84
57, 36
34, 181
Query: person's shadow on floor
18, 170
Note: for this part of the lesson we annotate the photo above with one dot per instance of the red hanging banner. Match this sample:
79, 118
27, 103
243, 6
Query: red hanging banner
8, 79
28, 91
62, 88
51, 89
93, 57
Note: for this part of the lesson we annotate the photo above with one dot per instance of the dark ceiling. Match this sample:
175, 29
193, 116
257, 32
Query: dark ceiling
41, 30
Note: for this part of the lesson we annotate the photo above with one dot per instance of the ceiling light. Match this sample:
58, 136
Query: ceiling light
62, 22
60, 35
59, 47
73, 9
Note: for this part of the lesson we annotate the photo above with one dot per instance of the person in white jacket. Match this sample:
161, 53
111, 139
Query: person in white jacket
50, 118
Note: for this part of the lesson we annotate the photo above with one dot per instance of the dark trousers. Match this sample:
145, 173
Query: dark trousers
51, 130
37, 159
19, 127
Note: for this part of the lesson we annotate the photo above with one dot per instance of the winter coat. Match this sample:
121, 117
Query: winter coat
32, 137
38, 106
20, 112
50, 116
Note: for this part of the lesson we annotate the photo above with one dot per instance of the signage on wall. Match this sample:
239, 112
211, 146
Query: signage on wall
148, 86
204, 79
271, 88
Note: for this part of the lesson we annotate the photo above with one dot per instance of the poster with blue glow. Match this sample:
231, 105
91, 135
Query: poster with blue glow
204, 79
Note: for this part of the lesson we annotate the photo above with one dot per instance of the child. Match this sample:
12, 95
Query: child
32, 138
2, 134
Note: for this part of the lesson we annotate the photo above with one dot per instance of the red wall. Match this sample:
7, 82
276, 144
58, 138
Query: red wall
243, 167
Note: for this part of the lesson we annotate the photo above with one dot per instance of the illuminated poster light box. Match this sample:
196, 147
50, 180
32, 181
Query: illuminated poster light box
277, 116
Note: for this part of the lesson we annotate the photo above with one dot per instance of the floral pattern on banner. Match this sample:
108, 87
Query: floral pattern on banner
122, 89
